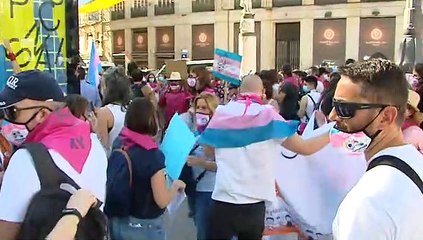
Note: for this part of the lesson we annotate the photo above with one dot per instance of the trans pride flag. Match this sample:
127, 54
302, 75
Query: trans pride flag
242, 123
94, 68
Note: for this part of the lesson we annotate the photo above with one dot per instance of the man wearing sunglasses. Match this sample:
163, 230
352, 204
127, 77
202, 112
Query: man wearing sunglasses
371, 98
34, 100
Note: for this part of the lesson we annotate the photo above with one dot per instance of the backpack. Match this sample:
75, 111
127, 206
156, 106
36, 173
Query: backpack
51, 178
399, 164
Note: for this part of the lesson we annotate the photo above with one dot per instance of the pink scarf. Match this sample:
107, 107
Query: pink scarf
67, 135
131, 138
408, 123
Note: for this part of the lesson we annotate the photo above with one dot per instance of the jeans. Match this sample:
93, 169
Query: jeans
203, 203
130, 228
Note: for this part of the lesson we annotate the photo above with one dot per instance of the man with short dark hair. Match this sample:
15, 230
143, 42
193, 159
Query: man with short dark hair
371, 98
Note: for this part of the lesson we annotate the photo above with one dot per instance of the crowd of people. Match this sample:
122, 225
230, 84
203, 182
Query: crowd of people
89, 165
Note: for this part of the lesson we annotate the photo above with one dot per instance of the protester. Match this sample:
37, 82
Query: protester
203, 78
176, 99
288, 96
413, 134
79, 107
309, 102
243, 186
371, 98
141, 88
349, 61
203, 168
268, 86
117, 95
34, 99
136, 184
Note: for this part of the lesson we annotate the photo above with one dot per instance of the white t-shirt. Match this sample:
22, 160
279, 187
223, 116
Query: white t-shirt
246, 175
21, 181
385, 203
118, 123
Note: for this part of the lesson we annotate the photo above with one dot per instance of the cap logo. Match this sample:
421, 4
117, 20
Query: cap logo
12, 82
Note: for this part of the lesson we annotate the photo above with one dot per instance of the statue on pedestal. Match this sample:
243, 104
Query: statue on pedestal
246, 6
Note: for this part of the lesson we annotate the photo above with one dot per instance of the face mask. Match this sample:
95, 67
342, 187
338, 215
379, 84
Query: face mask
175, 87
151, 80
354, 142
305, 89
326, 77
14, 133
201, 121
191, 82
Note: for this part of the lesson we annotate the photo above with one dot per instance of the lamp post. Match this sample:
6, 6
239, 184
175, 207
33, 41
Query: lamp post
247, 39
411, 44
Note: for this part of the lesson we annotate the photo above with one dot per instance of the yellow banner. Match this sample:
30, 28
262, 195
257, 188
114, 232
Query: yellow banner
98, 5
37, 32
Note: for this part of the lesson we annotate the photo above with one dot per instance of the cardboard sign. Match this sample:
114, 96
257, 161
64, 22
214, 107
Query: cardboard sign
177, 66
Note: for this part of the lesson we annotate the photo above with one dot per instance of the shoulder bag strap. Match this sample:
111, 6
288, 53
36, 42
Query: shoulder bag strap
314, 106
129, 163
399, 164
202, 174
49, 174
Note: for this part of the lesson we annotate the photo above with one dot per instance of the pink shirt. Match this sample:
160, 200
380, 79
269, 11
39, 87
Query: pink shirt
174, 103
414, 136
292, 80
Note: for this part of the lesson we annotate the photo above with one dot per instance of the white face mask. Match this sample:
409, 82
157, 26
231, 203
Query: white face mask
14, 133
352, 143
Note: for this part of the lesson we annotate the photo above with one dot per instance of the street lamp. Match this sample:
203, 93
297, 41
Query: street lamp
410, 43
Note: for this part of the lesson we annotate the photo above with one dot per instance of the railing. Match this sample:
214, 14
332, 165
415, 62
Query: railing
255, 4
139, 8
164, 7
118, 11
284, 3
202, 5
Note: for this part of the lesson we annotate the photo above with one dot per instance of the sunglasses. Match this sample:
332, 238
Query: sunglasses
347, 110
11, 113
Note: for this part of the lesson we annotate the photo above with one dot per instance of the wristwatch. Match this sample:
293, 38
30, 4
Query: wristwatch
72, 211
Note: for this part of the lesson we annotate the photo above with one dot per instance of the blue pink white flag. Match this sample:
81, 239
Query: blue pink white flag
94, 68
238, 124
227, 66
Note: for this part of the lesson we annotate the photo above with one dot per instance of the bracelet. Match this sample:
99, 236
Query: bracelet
72, 211
11, 56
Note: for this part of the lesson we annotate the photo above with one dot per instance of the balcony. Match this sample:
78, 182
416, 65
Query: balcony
139, 8
255, 3
203, 5
164, 7
285, 3
118, 11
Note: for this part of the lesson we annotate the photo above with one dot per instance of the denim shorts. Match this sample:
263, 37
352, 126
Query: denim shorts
130, 228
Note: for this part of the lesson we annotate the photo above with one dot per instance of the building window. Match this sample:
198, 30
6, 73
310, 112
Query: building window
164, 7
256, 4
118, 11
257, 33
203, 42
325, 2
377, 37
139, 8
203, 5
284, 3
287, 45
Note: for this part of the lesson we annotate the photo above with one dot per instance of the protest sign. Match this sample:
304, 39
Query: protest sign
314, 186
227, 66
176, 146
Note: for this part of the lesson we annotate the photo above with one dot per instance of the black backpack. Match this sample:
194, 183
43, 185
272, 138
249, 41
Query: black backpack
51, 177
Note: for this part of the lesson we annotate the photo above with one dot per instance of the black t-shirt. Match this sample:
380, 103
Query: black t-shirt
290, 106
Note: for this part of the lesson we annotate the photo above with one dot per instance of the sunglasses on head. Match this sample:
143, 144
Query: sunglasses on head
347, 110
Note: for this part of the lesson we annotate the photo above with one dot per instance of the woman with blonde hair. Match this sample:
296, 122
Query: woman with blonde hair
202, 169
412, 132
